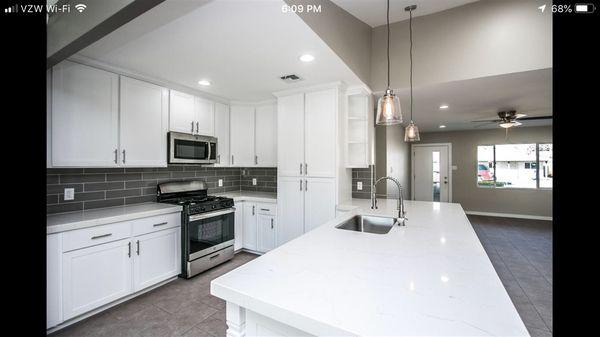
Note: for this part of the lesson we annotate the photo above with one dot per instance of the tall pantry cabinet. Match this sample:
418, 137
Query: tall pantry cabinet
312, 178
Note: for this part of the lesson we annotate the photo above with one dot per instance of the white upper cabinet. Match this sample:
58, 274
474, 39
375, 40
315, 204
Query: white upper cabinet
242, 136
290, 135
144, 121
182, 113
320, 133
85, 116
266, 135
205, 117
222, 134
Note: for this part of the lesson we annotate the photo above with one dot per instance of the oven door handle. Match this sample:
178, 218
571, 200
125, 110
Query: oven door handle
211, 214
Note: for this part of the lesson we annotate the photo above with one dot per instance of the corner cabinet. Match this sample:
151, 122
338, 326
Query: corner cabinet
222, 122
257, 231
96, 124
94, 267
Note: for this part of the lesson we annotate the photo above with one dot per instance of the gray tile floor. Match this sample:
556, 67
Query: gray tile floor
520, 250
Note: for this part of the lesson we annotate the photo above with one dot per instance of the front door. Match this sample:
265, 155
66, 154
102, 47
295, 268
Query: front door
430, 173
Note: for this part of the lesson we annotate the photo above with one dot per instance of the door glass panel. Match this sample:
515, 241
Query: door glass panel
545, 155
188, 149
436, 175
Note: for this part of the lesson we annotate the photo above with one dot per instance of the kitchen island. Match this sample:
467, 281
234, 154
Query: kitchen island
431, 277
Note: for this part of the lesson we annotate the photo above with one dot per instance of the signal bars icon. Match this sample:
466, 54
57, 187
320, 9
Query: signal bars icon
11, 9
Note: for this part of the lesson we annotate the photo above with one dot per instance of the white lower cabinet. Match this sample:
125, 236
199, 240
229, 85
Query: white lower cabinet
95, 276
255, 226
156, 258
266, 232
249, 226
91, 267
238, 226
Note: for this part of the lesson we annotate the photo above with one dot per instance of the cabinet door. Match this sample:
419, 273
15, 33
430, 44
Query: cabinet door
182, 114
156, 257
238, 226
94, 276
319, 199
205, 117
242, 135
266, 136
266, 232
222, 134
249, 231
85, 116
320, 132
290, 135
290, 208
144, 123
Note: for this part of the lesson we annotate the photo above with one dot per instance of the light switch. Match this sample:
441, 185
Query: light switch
253, 181
69, 193
220, 182
454, 167
359, 185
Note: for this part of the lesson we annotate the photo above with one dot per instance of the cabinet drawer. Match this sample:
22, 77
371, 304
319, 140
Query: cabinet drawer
267, 209
156, 223
87, 237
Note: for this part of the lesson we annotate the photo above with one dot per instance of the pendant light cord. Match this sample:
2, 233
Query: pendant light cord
411, 66
388, 44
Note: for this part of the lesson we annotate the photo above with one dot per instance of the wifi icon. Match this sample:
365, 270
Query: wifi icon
80, 7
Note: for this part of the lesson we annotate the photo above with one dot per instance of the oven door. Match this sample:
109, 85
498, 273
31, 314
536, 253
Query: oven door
190, 149
209, 232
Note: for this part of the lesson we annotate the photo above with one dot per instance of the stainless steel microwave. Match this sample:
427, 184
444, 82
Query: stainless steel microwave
191, 149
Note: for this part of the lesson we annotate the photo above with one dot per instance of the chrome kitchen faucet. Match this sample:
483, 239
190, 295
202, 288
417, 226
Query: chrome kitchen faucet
401, 212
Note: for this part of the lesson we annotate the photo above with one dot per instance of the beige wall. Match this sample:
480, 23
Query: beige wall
484, 38
346, 35
464, 186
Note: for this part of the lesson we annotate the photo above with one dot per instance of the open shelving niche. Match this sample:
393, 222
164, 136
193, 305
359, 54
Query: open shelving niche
359, 127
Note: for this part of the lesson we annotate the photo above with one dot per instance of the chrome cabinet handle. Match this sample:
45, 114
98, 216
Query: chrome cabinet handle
253, 210
129, 249
305, 169
300, 184
306, 185
265, 209
197, 128
192, 127
300, 168
160, 224
255, 160
116, 155
138, 247
231, 159
219, 158
271, 223
123, 156
101, 236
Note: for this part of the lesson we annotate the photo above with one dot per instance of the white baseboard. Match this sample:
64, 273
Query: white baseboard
510, 215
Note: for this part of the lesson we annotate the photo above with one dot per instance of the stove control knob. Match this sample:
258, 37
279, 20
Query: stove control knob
214, 206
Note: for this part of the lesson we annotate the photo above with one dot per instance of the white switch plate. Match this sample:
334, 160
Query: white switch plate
69, 193
253, 181
454, 167
220, 182
359, 185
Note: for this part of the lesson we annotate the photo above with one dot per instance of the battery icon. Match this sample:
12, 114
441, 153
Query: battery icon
585, 8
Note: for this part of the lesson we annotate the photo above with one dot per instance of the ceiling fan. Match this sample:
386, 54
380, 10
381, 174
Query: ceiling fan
508, 119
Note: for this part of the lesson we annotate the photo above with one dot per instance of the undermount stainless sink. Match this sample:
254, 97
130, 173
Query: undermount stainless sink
368, 224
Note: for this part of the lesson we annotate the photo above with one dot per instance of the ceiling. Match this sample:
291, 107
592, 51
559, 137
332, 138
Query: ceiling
373, 12
241, 47
527, 92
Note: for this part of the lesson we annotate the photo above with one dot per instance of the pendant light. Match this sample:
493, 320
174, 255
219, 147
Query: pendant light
411, 132
388, 106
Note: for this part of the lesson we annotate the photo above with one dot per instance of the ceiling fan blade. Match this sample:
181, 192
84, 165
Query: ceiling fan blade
487, 121
520, 116
534, 118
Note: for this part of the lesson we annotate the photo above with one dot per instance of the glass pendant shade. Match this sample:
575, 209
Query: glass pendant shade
388, 109
411, 133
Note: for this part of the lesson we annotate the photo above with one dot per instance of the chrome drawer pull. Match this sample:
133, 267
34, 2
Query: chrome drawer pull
101, 236
214, 256
160, 224
265, 209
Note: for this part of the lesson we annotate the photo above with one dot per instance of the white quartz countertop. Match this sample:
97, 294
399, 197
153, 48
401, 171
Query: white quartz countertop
250, 196
56, 223
429, 278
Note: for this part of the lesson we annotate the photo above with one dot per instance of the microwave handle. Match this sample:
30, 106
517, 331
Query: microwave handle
208, 150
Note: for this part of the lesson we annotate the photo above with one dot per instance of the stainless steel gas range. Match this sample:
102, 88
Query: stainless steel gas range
207, 225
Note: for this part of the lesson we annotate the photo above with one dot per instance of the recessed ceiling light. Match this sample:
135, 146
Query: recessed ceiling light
204, 82
442, 126
307, 58
443, 106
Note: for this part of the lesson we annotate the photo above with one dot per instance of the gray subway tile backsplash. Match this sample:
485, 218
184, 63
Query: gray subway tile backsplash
107, 187
363, 175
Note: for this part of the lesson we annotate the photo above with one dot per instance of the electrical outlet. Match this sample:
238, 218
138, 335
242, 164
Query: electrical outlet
69, 193
253, 181
220, 182
359, 185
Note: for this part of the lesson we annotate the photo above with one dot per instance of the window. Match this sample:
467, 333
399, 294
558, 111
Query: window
514, 165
